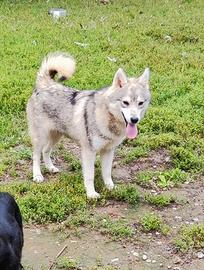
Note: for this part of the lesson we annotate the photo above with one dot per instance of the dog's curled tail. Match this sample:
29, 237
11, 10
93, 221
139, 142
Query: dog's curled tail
55, 63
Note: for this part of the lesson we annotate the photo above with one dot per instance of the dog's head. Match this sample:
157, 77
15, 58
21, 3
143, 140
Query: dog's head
128, 99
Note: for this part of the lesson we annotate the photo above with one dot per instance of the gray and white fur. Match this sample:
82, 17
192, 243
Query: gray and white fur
96, 120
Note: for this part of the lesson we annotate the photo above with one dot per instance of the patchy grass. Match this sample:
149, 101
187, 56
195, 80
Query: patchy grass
160, 200
190, 237
55, 201
125, 193
48, 202
66, 263
164, 179
130, 155
152, 222
117, 228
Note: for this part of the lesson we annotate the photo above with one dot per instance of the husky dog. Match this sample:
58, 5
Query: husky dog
97, 120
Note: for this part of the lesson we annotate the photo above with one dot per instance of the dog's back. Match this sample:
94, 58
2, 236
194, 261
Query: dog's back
11, 233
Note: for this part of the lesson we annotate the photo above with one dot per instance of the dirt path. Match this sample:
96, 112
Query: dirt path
90, 250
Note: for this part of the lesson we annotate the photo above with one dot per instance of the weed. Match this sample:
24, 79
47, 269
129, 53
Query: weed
118, 228
190, 237
129, 155
66, 263
125, 193
159, 200
164, 179
152, 222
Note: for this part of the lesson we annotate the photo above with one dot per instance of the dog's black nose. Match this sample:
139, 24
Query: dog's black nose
134, 120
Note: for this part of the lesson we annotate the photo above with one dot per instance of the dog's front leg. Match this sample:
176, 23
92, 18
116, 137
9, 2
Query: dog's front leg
88, 161
106, 164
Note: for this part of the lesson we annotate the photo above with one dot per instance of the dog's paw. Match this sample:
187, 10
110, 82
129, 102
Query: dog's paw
53, 169
38, 178
110, 185
93, 195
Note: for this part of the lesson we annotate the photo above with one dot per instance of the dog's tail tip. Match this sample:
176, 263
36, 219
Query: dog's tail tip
57, 62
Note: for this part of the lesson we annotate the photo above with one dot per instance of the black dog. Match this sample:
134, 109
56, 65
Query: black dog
11, 233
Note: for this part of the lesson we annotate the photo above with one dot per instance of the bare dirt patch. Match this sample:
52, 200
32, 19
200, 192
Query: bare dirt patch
158, 160
41, 247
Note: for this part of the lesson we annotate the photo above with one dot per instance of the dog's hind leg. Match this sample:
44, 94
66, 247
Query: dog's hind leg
106, 164
53, 139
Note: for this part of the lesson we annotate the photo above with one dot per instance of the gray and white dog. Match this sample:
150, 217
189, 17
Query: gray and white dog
97, 120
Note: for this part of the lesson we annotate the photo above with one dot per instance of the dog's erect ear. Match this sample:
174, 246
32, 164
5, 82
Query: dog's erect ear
120, 78
144, 78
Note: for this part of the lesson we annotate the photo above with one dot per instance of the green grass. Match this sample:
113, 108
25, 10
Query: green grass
65, 263
49, 202
162, 179
116, 228
125, 193
152, 222
160, 200
190, 237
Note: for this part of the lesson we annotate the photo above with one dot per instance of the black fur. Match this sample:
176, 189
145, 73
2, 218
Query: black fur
73, 97
86, 124
11, 233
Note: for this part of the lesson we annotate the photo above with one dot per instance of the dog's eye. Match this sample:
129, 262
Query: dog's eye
141, 103
126, 103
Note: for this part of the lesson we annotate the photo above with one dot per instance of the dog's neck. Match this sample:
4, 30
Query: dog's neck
114, 125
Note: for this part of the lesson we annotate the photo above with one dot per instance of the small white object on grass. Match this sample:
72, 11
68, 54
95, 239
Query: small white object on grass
57, 12
112, 59
115, 260
168, 38
84, 45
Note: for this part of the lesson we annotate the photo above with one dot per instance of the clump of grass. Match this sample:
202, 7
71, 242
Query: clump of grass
79, 218
129, 155
152, 222
160, 200
187, 159
125, 193
66, 263
74, 163
164, 179
190, 237
118, 228
155, 141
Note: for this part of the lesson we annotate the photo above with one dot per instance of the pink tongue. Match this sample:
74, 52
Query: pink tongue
131, 131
